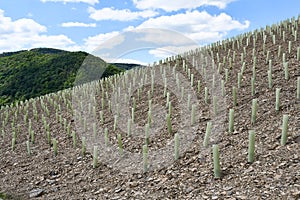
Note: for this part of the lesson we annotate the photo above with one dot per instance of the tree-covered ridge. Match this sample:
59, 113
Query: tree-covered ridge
28, 74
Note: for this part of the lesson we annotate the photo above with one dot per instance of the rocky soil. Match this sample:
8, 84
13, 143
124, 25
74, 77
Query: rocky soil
275, 173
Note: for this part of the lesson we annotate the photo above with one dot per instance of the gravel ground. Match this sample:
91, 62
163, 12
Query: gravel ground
275, 173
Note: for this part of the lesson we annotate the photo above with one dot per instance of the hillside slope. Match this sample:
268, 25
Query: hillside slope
255, 65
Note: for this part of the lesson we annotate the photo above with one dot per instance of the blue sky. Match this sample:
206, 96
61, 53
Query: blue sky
90, 24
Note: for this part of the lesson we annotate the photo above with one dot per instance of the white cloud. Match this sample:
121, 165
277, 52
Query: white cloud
54, 41
199, 26
28, 26
178, 33
176, 5
91, 2
77, 24
144, 44
129, 28
160, 36
204, 37
26, 33
125, 60
160, 53
168, 51
94, 42
119, 15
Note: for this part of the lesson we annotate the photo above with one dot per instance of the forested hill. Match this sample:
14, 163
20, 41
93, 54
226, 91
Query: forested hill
36, 72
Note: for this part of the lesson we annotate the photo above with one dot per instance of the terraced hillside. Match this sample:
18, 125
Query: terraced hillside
146, 134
